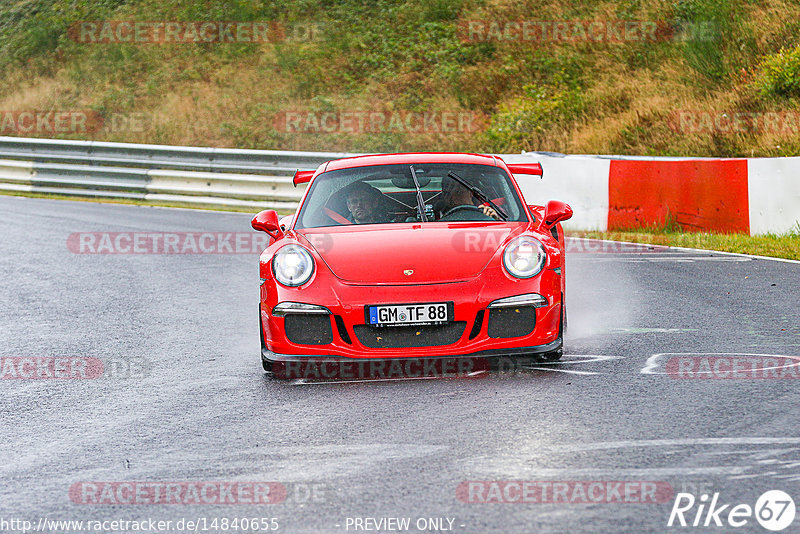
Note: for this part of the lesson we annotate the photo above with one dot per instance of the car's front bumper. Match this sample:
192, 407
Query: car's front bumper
468, 334
314, 367
269, 356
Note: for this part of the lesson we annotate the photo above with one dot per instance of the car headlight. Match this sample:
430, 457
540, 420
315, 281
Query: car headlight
524, 257
292, 265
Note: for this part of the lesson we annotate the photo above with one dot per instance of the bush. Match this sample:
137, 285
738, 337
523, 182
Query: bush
780, 74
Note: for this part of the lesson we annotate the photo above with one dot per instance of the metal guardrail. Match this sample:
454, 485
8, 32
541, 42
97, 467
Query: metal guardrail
192, 175
262, 179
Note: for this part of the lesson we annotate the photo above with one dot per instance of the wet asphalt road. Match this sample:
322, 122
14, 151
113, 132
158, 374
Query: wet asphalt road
183, 396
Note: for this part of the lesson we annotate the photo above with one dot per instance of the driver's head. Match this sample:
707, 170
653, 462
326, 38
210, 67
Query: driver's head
455, 194
363, 201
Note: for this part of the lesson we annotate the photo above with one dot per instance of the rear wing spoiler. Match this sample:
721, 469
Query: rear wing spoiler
302, 177
526, 168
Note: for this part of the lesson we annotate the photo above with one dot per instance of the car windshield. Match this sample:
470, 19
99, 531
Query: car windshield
387, 194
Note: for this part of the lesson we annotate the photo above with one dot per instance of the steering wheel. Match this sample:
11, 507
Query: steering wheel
464, 209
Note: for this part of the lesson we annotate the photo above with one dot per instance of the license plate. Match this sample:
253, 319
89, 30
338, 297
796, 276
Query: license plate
409, 314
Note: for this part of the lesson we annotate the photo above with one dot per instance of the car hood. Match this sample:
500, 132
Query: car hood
409, 253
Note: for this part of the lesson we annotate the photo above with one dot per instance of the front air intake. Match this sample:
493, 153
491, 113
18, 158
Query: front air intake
511, 322
396, 337
307, 329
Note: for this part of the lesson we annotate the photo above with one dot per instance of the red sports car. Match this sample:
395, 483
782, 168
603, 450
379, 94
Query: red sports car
413, 256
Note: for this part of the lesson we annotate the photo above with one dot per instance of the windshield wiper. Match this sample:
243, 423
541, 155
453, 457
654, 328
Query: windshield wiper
420, 200
477, 193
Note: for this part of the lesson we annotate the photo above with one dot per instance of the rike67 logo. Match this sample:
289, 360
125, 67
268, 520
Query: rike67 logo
774, 510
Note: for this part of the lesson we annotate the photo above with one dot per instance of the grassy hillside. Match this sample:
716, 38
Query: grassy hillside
647, 97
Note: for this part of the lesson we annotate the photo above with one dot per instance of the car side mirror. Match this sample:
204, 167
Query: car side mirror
267, 221
556, 212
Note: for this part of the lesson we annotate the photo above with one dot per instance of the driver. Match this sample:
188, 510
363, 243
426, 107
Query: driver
455, 195
365, 204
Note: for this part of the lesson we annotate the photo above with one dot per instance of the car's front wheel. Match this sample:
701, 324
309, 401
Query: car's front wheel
555, 355
265, 363
552, 356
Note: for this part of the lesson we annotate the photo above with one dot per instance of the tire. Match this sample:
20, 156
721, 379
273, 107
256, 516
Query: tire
555, 355
265, 363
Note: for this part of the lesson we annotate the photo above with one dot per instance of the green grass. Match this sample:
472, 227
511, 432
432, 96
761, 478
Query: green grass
772, 245
387, 55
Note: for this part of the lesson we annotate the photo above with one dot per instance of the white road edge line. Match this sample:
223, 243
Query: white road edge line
785, 260
604, 445
568, 371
